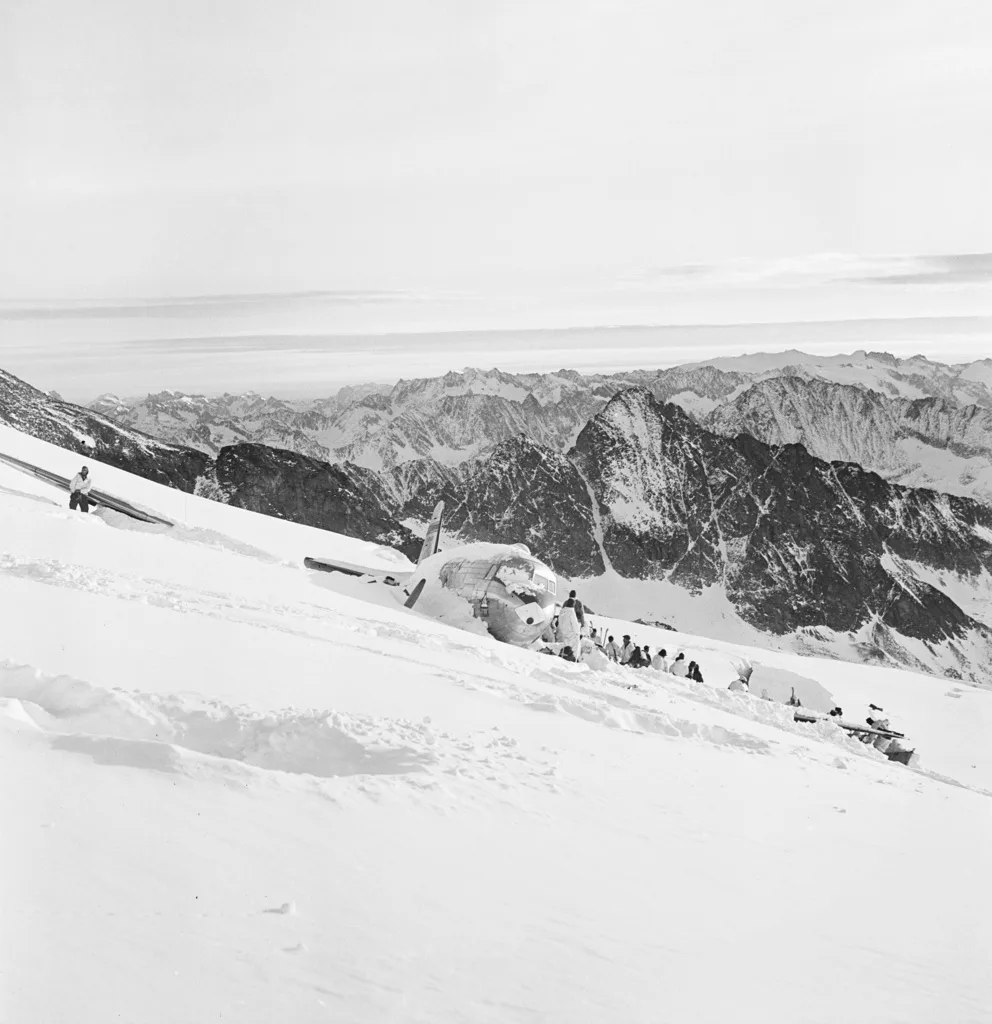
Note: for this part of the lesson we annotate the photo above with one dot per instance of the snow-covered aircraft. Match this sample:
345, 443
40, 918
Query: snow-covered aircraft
512, 592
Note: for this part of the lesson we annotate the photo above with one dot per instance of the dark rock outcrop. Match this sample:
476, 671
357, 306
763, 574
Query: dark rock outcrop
796, 542
521, 492
344, 499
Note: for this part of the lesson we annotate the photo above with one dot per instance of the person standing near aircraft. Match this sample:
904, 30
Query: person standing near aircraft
611, 650
580, 612
569, 631
79, 490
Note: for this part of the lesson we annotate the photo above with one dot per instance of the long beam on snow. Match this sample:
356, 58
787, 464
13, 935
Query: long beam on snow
813, 717
95, 496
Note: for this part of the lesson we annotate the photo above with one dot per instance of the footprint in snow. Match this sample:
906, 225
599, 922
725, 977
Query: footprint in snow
285, 908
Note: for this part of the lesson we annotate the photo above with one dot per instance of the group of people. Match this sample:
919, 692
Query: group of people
636, 656
575, 638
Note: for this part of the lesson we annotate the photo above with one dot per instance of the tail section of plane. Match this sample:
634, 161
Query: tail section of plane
433, 538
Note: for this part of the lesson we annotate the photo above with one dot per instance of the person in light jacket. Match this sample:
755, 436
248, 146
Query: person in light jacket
626, 651
79, 490
660, 661
569, 632
612, 650
679, 667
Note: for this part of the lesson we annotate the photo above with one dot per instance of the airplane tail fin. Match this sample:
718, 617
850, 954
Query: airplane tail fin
433, 538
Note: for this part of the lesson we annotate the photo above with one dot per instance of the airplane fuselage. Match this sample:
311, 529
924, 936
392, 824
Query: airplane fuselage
512, 592
507, 588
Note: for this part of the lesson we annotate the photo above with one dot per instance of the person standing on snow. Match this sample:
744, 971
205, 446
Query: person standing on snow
580, 612
611, 650
569, 631
79, 490
626, 651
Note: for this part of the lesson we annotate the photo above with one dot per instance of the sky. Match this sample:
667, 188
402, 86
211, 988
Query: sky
391, 166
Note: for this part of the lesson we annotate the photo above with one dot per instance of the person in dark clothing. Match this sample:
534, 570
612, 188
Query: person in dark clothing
636, 659
580, 612
567, 653
694, 674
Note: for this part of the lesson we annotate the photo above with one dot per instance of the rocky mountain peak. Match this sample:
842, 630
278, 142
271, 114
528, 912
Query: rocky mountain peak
380, 403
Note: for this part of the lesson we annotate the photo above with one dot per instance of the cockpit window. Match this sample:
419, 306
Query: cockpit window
546, 582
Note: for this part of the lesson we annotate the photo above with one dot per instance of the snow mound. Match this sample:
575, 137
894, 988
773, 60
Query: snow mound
232, 792
158, 732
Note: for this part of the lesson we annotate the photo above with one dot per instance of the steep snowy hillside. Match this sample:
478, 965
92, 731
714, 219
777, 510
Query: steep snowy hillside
93, 435
236, 791
923, 442
346, 498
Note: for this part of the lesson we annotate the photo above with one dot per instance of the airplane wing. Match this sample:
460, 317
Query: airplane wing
433, 538
96, 497
392, 579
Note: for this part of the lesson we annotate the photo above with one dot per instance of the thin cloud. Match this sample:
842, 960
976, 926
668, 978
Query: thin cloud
956, 268
185, 307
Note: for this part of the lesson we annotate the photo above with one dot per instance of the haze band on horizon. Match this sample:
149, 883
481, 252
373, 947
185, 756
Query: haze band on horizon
319, 174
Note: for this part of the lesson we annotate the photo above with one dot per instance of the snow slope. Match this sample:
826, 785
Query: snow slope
235, 790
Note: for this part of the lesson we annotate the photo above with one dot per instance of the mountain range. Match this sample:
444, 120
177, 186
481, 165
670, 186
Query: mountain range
913, 421
693, 495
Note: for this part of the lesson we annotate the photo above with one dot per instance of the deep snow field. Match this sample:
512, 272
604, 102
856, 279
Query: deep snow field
235, 790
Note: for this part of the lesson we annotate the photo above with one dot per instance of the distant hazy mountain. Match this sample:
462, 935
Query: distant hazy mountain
913, 421
920, 442
449, 418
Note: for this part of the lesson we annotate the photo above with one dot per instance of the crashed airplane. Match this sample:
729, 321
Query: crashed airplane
512, 592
